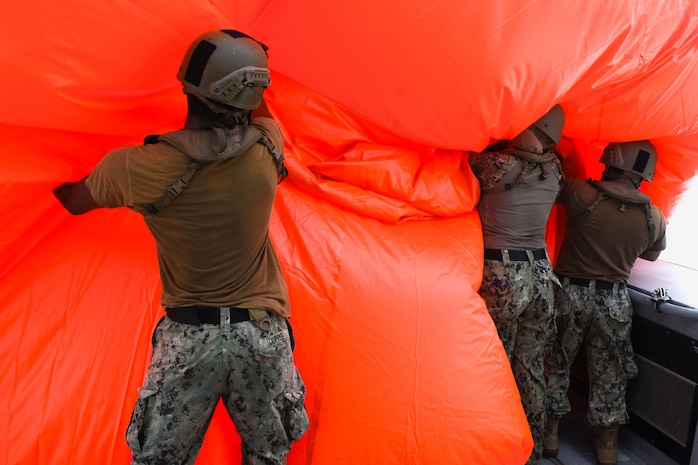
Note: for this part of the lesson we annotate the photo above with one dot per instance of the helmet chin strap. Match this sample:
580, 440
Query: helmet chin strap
612, 173
212, 105
236, 117
228, 116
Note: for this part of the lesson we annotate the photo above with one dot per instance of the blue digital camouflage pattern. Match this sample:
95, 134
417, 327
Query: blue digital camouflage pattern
601, 319
519, 296
249, 369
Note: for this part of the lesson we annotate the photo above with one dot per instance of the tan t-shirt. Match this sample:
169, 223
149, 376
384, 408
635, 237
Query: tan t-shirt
606, 243
212, 240
516, 217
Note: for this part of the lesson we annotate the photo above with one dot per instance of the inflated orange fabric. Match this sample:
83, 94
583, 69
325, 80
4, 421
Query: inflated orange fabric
380, 102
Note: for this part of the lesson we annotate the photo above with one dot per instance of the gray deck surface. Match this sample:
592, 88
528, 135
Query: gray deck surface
576, 436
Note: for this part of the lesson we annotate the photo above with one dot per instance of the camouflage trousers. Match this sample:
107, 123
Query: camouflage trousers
519, 297
601, 321
251, 370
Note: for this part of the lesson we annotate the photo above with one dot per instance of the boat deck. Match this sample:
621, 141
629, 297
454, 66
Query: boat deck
576, 436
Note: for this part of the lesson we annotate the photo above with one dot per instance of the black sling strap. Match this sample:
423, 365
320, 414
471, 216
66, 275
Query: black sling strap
175, 189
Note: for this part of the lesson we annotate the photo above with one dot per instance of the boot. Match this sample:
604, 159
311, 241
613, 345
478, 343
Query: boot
550, 447
606, 445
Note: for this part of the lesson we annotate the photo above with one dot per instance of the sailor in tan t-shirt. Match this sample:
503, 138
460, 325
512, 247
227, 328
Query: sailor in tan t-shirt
519, 184
206, 194
609, 225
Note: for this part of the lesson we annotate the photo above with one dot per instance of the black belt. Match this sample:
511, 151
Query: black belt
198, 315
515, 255
599, 284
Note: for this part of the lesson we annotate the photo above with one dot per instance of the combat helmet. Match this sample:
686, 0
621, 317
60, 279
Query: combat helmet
224, 69
551, 123
638, 157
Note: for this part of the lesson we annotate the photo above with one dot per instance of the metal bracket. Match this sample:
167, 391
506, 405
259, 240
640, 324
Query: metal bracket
658, 297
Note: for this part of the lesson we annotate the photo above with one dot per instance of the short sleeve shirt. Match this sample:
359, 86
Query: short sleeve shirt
212, 240
517, 198
604, 243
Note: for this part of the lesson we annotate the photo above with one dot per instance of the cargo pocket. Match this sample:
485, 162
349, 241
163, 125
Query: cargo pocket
141, 412
295, 419
621, 314
619, 310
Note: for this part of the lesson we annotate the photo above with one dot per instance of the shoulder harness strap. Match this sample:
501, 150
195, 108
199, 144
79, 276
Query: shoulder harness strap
590, 209
602, 196
175, 189
278, 156
650, 223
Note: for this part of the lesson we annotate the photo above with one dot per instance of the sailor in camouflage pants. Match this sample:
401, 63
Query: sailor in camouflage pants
602, 318
519, 181
248, 366
519, 297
